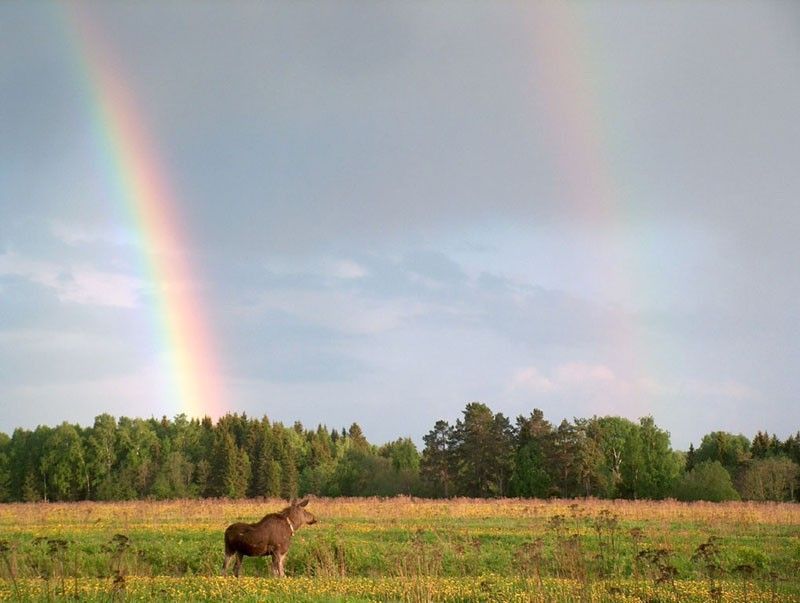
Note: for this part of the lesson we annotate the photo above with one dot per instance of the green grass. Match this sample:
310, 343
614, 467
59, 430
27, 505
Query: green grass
585, 543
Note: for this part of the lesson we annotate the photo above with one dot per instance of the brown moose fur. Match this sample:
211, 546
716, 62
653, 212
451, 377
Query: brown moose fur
270, 536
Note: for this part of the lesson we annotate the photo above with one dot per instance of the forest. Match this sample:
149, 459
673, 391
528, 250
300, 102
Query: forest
482, 454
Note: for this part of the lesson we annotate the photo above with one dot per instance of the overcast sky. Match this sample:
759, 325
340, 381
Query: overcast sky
395, 208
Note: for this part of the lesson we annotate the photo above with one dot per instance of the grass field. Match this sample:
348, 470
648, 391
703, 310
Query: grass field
409, 549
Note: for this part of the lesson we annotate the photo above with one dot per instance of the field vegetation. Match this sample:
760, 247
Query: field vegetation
409, 549
131, 509
483, 454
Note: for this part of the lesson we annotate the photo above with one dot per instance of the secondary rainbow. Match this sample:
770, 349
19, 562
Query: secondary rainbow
128, 157
586, 139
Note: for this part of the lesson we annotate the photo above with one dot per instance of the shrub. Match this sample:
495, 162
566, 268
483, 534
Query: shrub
772, 478
707, 481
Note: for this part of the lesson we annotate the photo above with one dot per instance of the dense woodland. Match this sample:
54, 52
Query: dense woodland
483, 454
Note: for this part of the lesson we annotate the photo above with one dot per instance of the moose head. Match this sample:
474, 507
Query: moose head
297, 514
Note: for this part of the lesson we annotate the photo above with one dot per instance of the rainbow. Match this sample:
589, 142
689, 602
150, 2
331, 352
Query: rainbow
584, 141
187, 364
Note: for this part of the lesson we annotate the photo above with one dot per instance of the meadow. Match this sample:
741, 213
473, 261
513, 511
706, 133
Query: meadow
408, 549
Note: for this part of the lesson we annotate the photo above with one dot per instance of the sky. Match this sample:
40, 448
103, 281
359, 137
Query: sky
387, 210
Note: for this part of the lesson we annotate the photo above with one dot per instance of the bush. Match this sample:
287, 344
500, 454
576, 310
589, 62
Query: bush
707, 481
772, 478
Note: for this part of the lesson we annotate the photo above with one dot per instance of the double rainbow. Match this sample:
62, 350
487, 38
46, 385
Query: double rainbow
579, 142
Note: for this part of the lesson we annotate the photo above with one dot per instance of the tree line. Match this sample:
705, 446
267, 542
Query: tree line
482, 454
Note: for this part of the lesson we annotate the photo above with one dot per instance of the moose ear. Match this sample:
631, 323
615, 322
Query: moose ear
302, 503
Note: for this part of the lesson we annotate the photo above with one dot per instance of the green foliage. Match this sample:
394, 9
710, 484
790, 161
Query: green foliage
791, 447
174, 477
231, 468
482, 449
729, 449
659, 466
612, 435
357, 472
318, 480
402, 453
356, 437
101, 454
709, 481
774, 478
436, 464
137, 452
482, 455
62, 464
765, 446
531, 475
5, 468
564, 460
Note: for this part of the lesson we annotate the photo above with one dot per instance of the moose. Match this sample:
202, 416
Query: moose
270, 536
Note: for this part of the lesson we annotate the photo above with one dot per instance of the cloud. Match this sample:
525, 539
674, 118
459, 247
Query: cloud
593, 386
76, 284
41, 355
345, 269
531, 380
596, 388
726, 390
138, 392
433, 268
386, 198
340, 311
88, 233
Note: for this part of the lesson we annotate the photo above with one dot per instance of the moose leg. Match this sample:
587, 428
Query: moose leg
281, 559
237, 566
226, 563
276, 564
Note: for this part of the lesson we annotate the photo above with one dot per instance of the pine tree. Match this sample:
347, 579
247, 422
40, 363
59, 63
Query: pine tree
230, 469
483, 451
357, 438
437, 462
690, 458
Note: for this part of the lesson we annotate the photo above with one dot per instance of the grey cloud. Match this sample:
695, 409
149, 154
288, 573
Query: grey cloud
435, 266
383, 120
437, 122
44, 341
389, 135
